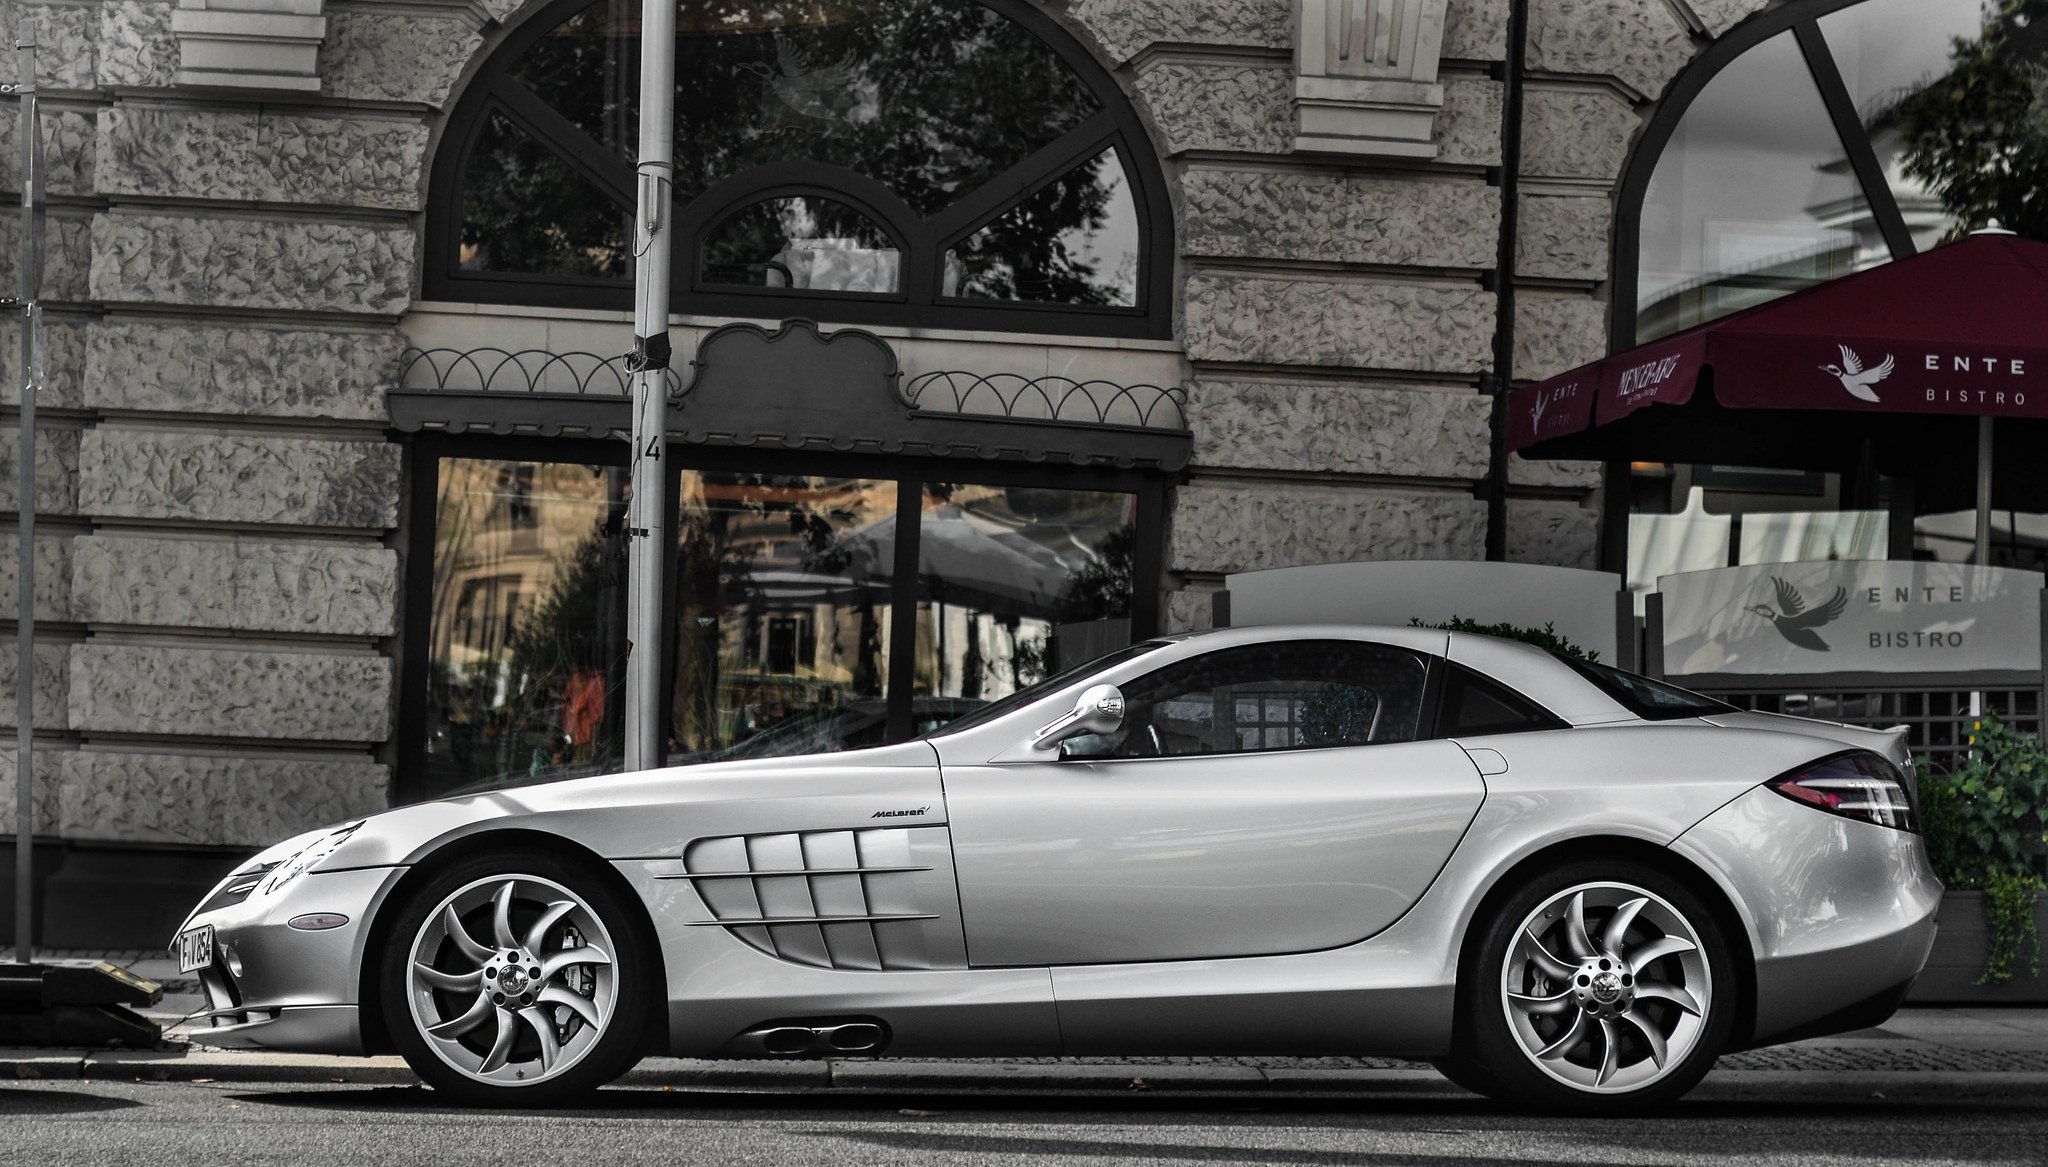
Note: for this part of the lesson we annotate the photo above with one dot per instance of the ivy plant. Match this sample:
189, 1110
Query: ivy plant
1987, 829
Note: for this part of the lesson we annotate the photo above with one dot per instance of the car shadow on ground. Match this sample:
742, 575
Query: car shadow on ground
908, 1126
25, 1103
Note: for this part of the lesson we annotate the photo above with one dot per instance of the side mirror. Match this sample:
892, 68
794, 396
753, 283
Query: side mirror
1100, 709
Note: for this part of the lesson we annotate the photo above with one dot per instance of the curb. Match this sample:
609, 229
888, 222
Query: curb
853, 1077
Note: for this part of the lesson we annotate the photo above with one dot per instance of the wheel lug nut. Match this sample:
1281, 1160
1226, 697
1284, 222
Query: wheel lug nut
1603, 966
534, 971
497, 998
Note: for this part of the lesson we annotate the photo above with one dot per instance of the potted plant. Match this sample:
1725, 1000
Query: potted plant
1985, 835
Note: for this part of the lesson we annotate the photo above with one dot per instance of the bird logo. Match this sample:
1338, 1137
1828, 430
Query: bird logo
1855, 378
1794, 622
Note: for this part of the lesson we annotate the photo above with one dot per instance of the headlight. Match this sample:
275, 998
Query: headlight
306, 858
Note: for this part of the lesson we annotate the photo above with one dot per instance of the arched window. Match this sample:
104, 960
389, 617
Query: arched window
1777, 162
926, 162
1796, 150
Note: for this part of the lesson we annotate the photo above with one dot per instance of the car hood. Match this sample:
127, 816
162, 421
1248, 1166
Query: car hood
654, 812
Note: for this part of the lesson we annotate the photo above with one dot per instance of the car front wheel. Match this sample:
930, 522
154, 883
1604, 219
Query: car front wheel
1603, 986
517, 980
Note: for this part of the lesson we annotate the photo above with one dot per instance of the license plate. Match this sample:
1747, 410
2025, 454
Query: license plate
195, 948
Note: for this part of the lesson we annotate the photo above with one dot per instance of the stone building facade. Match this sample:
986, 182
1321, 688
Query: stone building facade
239, 193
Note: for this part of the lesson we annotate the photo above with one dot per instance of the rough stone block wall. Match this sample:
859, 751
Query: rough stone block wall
216, 573
1336, 310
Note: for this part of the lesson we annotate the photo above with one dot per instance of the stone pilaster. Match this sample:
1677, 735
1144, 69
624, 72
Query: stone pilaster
1222, 528
247, 583
230, 693
209, 801
235, 478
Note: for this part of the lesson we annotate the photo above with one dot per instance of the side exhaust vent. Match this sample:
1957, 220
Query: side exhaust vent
813, 1039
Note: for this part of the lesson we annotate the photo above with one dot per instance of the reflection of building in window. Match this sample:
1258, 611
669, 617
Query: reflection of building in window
527, 619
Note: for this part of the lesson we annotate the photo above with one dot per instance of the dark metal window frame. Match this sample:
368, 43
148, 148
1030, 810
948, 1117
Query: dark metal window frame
1802, 19
926, 241
910, 473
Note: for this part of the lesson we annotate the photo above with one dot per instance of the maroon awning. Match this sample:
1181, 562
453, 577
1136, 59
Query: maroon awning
1853, 367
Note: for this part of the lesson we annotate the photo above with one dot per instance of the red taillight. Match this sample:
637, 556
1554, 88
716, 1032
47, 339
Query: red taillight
1855, 785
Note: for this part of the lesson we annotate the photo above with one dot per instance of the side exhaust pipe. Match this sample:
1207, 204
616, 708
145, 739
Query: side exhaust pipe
813, 1039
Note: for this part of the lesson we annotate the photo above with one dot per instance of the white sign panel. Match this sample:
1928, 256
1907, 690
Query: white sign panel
1579, 604
1870, 616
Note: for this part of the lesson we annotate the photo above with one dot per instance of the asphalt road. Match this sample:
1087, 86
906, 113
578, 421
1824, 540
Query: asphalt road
1918, 1122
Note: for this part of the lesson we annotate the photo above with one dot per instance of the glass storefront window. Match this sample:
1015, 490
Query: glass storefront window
528, 621
1752, 198
783, 611
791, 632
1017, 584
2018, 538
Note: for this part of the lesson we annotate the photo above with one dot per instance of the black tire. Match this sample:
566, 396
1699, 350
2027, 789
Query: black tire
1571, 1014
628, 982
1467, 1075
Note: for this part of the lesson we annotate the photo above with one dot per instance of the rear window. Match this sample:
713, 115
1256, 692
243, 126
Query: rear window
1647, 699
1475, 706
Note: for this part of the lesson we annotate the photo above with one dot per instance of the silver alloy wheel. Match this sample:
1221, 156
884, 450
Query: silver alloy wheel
512, 979
1606, 986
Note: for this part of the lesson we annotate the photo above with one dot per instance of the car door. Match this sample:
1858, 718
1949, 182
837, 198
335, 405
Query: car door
1263, 798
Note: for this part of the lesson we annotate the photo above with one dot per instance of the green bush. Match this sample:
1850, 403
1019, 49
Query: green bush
1985, 831
1545, 637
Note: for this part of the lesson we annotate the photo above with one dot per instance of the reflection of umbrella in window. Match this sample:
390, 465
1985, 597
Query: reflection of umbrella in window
964, 562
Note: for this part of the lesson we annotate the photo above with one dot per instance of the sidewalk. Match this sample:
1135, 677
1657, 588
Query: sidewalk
1992, 1047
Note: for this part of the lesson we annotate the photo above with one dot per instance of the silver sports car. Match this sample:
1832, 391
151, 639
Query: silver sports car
1564, 884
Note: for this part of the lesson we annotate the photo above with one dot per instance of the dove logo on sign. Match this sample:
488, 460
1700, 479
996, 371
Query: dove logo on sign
1857, 379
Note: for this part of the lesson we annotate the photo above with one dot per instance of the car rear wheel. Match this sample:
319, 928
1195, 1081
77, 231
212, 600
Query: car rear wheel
1602, 986
517, 980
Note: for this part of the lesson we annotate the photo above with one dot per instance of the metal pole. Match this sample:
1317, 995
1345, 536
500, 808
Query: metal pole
1502, 380
31, 381
1983, 492
647, 547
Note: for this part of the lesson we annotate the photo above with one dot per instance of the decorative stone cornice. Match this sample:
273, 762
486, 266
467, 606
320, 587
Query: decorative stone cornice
250, 44
1366, 76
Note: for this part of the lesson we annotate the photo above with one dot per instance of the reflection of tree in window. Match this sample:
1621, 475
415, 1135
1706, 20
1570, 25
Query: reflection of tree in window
525, 210
1978, 136
931, 99
1074, 242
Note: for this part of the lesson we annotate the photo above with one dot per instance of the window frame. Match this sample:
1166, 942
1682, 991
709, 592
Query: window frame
1115, 126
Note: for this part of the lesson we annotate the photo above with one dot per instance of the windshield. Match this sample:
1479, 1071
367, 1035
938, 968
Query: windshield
1037, 692
1647, 699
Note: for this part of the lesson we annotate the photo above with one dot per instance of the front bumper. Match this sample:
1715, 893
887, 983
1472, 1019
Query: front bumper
1840, 913
272, 986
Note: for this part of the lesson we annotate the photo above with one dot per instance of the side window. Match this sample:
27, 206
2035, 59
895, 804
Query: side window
1474, 706
1299, 694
